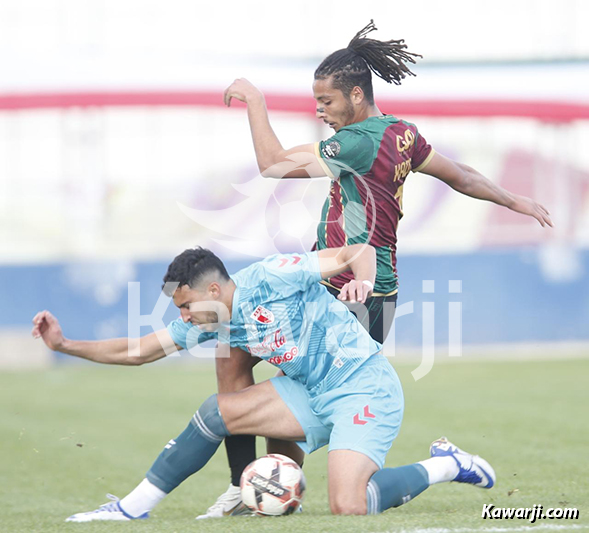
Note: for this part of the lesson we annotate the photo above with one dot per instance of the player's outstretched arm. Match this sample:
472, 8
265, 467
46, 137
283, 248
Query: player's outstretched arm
113, 351
273, 160
467, 180
360, 259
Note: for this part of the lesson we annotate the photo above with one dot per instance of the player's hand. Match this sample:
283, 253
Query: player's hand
47, 327
242, 90
527, 206
355, 291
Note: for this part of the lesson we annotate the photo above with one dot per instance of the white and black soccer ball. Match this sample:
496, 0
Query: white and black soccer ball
273, 485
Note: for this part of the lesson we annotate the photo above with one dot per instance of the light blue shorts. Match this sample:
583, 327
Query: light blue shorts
362, 414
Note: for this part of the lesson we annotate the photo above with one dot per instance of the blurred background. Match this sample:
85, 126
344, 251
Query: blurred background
116, 153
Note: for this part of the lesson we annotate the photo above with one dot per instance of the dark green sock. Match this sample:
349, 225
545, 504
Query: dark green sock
191, 450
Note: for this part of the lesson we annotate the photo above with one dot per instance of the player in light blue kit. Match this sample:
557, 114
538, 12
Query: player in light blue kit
338, 388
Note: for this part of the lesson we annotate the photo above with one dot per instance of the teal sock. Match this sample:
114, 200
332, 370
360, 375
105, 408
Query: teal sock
392, 487
191, 450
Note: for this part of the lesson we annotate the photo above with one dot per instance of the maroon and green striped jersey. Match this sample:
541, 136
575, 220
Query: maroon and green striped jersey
368, 163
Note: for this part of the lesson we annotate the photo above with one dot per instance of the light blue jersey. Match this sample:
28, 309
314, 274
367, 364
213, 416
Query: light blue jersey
281, 314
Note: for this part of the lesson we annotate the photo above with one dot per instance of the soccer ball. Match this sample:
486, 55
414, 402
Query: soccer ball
273, 485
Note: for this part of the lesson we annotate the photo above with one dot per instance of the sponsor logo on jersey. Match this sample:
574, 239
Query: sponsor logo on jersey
404, 142
402, 169
270, 344
359, 418
284, 261
263, 315
331, 150
288, 356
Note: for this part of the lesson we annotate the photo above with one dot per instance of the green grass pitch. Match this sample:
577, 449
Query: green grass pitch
72, 434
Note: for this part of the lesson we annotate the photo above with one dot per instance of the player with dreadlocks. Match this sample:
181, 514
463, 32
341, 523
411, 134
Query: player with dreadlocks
368, 159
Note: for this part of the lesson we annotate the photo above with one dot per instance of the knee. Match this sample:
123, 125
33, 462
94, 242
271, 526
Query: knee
209, 418
346, 505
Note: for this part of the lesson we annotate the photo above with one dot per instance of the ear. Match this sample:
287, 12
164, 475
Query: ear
214, 290
357, 95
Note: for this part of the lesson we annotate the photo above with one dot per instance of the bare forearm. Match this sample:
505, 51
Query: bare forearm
112, 351
122, 351
477, 186
269, 151
362, 261
266, 144
468, 181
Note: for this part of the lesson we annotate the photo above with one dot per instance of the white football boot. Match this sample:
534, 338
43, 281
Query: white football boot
471, 468
228, 504
109, 511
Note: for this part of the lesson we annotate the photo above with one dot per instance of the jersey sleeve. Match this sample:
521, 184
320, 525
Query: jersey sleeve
422, 153
287, 274
186, 335
347, 148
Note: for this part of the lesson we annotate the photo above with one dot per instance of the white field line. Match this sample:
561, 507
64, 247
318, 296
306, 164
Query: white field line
539, 527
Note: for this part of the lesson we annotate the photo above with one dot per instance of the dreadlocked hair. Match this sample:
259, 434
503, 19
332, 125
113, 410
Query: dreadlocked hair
352, 66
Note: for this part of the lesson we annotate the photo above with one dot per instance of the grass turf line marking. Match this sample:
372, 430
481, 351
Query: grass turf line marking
546, 527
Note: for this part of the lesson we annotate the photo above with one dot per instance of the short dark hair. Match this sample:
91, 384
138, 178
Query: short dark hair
191, 266
352, 66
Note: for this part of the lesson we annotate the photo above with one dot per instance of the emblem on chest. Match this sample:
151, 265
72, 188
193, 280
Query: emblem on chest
263, 315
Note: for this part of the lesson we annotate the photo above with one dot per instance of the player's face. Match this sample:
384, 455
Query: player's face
333, 107
191, 303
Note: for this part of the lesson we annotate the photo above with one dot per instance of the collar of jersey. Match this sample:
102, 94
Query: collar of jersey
379, 117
